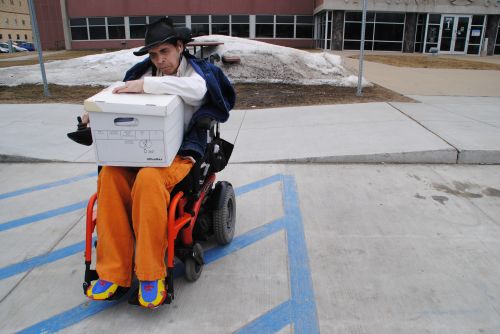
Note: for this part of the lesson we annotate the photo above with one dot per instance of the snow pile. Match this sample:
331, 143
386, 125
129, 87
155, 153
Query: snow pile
260, 62
263, 62
95, 70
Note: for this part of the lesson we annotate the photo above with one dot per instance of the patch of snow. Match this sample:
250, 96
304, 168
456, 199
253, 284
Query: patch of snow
260, 62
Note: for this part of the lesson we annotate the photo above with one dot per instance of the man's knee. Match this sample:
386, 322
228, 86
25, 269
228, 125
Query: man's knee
112, 174
148, 178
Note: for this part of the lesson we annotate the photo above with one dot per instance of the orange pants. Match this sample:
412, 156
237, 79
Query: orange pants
132, 203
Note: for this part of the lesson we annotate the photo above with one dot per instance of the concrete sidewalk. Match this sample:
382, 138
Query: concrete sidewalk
437, 130
430, 81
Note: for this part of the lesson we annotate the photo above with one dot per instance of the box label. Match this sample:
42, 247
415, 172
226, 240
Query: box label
147, 145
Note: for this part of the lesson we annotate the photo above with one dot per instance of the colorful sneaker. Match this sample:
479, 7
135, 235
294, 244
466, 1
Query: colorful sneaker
101, 290
152, 293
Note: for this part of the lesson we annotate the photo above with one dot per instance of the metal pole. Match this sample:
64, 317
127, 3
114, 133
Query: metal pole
38, 46
362, 50
326, 29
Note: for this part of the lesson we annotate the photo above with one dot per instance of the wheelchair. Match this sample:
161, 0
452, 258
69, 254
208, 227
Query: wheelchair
200, 209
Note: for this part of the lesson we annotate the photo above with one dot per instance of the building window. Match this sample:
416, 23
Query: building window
383, 31
323, 30
264, 26
284, 26
240, 26
97, 28
220, 24
475, 35
497, 41
1, 36
137, 26
179, 20
200, 25
24, 23
304, 27
116, 27
432, 38
18, 38
420, 33
155, 18
10, 36
352, 30
79, 29
25, 37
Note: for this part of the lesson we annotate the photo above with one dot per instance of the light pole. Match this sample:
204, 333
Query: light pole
359, 91
38, 46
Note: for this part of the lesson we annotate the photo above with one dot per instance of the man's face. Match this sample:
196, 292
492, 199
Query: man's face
166, 57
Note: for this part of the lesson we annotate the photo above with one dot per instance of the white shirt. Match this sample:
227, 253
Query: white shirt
186, 83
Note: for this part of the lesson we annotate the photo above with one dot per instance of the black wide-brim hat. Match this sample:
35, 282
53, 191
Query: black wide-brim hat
162, 31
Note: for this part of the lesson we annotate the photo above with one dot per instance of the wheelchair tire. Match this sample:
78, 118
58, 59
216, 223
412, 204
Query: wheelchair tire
224, 218
192, 269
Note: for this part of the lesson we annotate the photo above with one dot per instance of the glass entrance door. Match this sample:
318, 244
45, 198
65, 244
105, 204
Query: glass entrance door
461, 34
454, 32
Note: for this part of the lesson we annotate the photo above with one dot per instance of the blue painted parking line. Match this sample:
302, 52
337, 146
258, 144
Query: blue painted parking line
36, 261
271, 322
47, 185
90, 308
256, 185
14, 269
243, 241
300, 310
42, 216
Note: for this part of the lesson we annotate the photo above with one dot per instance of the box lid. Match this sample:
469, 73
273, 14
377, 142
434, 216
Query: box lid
131, 103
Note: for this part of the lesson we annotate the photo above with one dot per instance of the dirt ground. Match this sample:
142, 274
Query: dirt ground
249, 96
46, 58
429, 61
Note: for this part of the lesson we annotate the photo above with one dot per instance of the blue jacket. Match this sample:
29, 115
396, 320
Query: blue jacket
219, 100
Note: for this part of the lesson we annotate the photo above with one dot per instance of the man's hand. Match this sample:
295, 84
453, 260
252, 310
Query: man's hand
133, 86
85, 118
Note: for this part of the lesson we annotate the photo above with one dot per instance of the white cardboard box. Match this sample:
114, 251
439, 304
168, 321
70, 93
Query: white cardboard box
135, 130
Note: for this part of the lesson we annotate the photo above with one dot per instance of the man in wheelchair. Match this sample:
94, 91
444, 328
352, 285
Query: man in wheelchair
132, 214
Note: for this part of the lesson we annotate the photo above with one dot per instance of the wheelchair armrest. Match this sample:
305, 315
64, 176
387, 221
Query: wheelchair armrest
205, 123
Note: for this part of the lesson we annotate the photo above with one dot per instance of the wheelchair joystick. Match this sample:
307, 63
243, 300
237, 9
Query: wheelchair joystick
80, 125
82, 135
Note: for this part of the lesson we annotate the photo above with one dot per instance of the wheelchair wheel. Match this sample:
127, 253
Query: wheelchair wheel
225, 218
193, 269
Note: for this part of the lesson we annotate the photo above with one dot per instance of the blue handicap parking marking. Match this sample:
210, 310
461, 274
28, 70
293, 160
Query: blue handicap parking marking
47, 185
49, 213
42, 216
299, 311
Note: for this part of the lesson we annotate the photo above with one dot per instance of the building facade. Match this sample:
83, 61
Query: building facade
15, 22
446, 26
449, 26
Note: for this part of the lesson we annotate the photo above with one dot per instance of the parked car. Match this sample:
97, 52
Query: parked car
3, 50
27, 45
15, 47
5, 47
